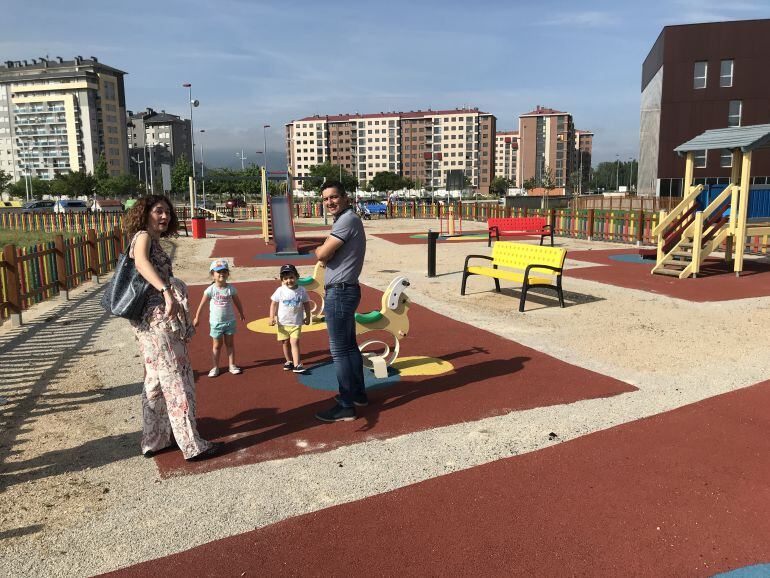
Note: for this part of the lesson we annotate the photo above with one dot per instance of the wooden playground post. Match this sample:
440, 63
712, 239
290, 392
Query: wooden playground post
661, 237
697, 243
640, 228
743, 202
689, 166
13, 290
93, 255
590, 225
735, 177
61, 267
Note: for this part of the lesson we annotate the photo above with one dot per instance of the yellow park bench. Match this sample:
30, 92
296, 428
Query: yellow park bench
530, 265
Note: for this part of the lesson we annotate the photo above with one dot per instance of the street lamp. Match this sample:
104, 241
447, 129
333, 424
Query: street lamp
260, 153
139, 168
630, 173
264, 134
617, 172
193, 103
243, 157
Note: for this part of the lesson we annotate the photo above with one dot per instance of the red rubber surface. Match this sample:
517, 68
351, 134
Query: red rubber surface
265, 413
717, 283
683, 493
255, 253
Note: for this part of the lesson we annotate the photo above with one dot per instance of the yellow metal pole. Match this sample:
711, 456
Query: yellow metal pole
743, 203
265, 228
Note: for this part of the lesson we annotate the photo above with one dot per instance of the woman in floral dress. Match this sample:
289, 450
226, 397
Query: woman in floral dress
168, 399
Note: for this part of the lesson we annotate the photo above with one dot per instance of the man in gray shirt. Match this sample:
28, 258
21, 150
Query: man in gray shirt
343, 254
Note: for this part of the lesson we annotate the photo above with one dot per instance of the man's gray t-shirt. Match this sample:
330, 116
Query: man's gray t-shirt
346, 264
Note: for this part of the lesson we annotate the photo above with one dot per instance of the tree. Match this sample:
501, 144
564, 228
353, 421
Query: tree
101, 177
122, 185
328, 171
74, 184
38, 188
573, 184
386, 181
5, 180
180, 175
499, 186
529, 184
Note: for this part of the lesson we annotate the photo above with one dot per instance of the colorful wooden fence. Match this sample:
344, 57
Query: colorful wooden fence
53, 222
29, 275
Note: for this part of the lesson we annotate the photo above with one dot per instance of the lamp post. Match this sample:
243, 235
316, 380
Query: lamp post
630, 173
243, 157
617, 172
139, 168
193, 103
264, 135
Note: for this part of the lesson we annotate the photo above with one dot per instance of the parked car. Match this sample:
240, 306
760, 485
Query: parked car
11, 206
38, 207
70, 206
232, 203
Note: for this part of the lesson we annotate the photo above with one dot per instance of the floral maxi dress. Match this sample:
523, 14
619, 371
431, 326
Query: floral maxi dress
168, 398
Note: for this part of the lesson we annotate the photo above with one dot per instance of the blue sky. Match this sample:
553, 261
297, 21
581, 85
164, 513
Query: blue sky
256, 63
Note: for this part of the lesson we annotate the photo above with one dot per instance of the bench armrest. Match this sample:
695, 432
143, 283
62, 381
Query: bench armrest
535, 266
546, 227
469, 257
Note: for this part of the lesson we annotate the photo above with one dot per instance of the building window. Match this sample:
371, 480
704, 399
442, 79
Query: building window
726, 159
699, 74
700, 159
734, 113
726, 73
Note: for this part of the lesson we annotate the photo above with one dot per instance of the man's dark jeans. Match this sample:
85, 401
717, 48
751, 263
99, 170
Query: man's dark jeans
340, 304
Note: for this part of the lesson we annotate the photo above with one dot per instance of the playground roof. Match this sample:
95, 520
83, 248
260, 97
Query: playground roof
746, 138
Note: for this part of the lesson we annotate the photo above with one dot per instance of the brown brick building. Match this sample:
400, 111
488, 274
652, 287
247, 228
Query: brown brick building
698, 77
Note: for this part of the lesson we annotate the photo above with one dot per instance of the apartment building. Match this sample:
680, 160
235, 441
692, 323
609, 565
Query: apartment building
155, 139
58, 116
547, 141
424, 146
507, 154
698, 77
584, 143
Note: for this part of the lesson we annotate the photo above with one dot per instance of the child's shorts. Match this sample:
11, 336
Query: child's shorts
287, 331
222, 328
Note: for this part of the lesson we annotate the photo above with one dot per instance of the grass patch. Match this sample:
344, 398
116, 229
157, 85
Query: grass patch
27, 238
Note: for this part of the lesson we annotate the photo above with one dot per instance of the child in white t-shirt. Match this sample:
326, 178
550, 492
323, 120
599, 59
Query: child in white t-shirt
222, 296
291, 307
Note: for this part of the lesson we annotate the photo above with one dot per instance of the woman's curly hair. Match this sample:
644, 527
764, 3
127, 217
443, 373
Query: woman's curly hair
136, 218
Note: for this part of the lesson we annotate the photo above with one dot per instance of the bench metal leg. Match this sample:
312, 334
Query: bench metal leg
523, 298
497, 284
465, 278
560, 292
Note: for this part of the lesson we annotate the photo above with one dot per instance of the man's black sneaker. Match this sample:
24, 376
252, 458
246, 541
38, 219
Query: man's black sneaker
360, 400
337, 413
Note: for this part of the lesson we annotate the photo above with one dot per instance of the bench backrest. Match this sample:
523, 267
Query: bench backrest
518, 223
520, 255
